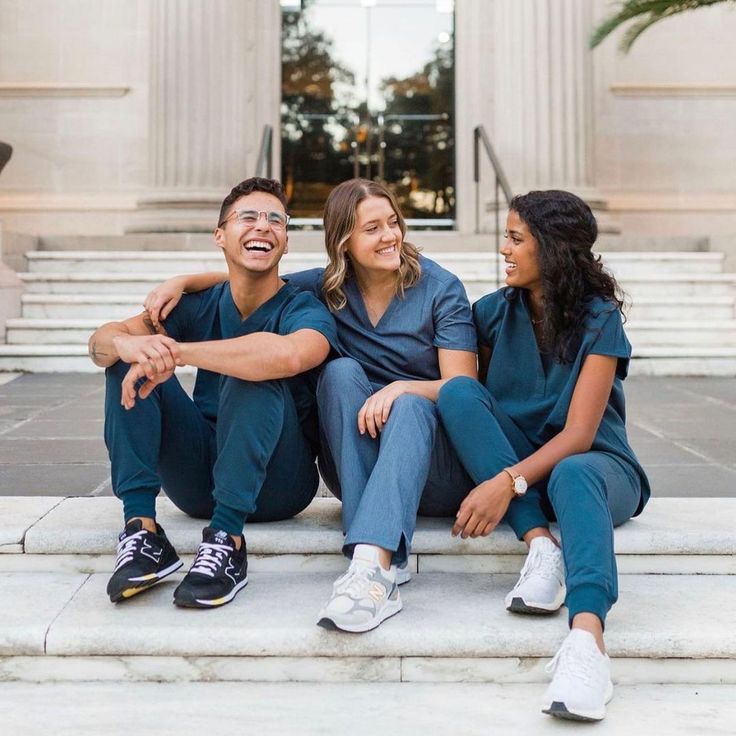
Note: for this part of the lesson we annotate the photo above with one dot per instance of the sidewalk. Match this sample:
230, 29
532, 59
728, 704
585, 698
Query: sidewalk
683, 429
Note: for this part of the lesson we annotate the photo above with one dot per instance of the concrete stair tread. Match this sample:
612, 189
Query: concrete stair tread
84, 525
147, 276
137, 299
80, 349
116, 255
30, 298
449, 616
631, 324
312, 709
77, 349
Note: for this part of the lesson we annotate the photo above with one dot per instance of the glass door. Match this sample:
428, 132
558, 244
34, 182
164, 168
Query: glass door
368, 90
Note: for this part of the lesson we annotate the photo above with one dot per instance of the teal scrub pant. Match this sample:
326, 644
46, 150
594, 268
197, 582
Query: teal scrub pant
588, 494
254, 460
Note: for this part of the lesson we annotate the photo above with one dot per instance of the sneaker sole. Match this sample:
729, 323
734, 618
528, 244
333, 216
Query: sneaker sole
560, 710
144, 585
518, 605
390, 609
403, 576
213, 602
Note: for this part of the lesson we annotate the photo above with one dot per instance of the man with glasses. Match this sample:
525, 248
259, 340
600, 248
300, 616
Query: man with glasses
244, 446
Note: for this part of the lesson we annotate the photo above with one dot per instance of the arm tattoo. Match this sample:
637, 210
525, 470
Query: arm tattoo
94, 353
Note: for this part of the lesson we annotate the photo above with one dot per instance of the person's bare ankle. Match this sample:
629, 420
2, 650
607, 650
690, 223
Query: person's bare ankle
592, 624
237, 541
539, 531
384, 558
148, 523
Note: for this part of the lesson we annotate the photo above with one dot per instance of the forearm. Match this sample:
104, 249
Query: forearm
428, 389
101, 345
570, 441
192, 282
261, 356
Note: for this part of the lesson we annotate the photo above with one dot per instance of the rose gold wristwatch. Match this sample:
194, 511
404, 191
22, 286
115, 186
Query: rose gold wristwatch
518, 482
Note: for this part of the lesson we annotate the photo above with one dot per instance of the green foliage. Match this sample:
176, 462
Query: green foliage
644, 13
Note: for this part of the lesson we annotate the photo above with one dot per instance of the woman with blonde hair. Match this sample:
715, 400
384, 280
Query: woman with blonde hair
406, 328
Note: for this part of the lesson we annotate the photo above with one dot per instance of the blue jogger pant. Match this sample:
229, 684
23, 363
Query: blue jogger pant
255, 459
410, 467
588, 494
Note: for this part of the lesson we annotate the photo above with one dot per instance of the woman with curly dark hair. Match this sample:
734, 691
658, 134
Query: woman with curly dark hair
544, 436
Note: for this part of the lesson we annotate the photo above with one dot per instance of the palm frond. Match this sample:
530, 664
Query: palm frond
646, 13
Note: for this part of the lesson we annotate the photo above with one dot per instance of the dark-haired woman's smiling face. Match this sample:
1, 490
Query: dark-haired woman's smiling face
519, 250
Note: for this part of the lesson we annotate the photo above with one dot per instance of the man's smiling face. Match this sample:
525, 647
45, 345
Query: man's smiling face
253, 234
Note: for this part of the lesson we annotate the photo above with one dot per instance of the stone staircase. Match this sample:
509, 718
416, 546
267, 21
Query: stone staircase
682, 319
671, 636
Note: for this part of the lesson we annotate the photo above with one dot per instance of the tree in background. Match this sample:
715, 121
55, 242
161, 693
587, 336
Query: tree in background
644, 13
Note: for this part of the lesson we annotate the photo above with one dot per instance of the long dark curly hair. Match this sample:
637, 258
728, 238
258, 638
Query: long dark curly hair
565, 230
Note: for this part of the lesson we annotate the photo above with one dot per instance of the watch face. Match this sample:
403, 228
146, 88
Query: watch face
520, 485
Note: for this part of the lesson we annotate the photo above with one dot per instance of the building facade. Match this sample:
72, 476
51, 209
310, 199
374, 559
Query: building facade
138, 116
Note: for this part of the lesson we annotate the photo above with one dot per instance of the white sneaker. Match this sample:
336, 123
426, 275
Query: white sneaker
362, 598
541, 584
403, 573
581, 685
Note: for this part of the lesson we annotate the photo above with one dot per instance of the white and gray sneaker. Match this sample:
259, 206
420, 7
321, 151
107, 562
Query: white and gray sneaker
403, 573
541, 584
364, 596
581, 685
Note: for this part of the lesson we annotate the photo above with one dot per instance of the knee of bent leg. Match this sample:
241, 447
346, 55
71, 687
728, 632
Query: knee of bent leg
115, 373
573, 475
236, 392
454, 395
411, 404
339, 375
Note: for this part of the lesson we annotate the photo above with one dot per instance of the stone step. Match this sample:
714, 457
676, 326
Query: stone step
647, 361
655, 286
672, 536
647, 333
355, 708
313, 241
624, 264
453, 627
106, 307
105, 283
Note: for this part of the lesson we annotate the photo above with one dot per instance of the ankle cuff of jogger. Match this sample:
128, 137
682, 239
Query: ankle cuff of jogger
140, 502
588, 598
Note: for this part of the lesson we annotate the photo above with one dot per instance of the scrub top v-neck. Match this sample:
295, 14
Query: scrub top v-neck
434, 313
537, 398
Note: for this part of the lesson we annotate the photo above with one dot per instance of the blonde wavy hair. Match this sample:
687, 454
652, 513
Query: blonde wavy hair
339, 221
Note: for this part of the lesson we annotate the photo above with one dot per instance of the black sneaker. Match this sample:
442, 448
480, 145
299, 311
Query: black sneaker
144, 559
219, 571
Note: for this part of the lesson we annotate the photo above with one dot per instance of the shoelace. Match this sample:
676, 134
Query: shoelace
209, 558
358, 581
543, 563
127, 547
575, 661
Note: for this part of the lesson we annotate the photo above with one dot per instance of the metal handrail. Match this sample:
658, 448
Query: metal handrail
263, 164
501, 184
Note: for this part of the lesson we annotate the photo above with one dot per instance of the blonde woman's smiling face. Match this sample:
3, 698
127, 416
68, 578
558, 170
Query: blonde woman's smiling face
375, 243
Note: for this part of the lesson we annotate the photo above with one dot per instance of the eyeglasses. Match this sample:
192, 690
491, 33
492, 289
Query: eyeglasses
249, 218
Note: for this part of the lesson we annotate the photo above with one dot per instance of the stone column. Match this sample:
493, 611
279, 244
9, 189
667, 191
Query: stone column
543, 94
214, 83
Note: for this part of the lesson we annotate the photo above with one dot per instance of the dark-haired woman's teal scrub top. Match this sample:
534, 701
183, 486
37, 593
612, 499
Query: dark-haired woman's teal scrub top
535, 391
